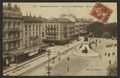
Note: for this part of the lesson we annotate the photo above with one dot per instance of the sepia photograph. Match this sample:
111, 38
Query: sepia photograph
59, 39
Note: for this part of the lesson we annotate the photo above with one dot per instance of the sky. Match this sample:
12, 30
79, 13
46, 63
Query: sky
80, 9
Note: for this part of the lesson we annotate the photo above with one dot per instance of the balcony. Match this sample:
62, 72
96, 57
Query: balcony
11, 49
9, 16
12, 39
5, 40
11, 30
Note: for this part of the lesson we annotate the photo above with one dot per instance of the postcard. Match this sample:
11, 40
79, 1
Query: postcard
60, 39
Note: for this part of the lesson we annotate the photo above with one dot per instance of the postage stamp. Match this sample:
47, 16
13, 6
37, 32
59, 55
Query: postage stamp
101, 12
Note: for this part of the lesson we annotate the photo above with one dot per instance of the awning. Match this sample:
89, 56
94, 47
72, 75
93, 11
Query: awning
17, 52
30, 49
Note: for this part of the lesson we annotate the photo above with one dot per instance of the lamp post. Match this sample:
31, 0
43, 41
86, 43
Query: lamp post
48, 68
96, 42
68, 59
8, 60
59, 55
16, 60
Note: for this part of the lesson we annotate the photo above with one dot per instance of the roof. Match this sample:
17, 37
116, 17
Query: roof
23, 51
16, 52
58, 20
30, 19
9, 7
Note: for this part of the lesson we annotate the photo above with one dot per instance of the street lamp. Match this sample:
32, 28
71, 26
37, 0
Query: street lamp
59, 55
16, 60
48, 68
68, 59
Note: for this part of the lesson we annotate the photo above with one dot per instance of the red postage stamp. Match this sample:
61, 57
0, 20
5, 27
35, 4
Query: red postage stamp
101, 12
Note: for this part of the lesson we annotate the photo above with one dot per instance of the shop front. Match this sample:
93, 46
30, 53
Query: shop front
18, 56
6, 60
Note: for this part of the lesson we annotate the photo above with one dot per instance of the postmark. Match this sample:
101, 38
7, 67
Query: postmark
101, 12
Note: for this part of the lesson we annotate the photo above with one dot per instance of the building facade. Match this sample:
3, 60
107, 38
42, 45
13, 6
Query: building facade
81, 26
32, 36
58, 30
32, 31
12, 31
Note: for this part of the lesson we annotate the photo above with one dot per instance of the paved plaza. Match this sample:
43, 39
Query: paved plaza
68, 64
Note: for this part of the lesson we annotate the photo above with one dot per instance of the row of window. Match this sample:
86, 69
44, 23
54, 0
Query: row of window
51, 37
11, 45
51, 31
34, 33
6, 14
31, 43
51, 26
11, 25
11, 35
28, 27
11, 22
52, 34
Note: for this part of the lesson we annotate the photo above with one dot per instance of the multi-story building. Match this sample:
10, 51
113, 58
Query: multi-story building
32, 36
12, 31
58, 30
81, 25
32, 31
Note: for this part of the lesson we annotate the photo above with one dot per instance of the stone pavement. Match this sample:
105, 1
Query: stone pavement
77, 66
95, 66
99, 66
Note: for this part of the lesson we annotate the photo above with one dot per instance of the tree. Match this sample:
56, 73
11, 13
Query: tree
111, 28
96, 28
99, 29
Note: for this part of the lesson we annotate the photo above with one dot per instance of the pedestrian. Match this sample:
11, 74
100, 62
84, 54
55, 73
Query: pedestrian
53, 60
67, 69
100, 56
108, 54
68, 45
68, 58
105, 53
109, 62
75, 48
113, 53
46, 67
59, 58
58, 53
96, 42
99, 41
